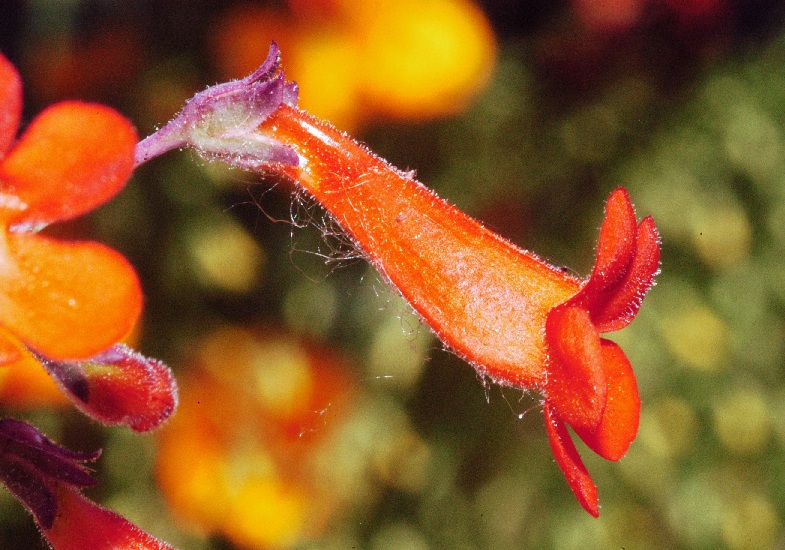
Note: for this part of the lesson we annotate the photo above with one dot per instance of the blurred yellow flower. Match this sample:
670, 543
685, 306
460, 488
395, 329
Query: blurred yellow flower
402, 59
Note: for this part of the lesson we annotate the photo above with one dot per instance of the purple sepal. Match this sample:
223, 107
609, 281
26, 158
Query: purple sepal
220, 122
31, 465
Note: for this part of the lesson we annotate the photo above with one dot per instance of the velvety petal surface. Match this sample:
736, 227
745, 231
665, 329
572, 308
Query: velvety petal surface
570, 462
119, 386
619, 424
67, 300
10, 104
73, 157
81, 524
576, 386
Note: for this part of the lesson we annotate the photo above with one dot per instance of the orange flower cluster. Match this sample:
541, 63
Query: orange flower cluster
405, 59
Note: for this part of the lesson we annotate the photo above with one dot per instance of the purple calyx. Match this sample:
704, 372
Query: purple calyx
220, 122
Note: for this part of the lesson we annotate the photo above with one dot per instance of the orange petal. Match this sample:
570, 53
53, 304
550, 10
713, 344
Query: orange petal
576, 385
627, 261
73, 157
625, 301
619, 424
24, 384
10, 103
67, 300
570, 462
81, 524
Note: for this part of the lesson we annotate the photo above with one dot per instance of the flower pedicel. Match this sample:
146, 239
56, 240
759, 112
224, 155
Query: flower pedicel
516, 319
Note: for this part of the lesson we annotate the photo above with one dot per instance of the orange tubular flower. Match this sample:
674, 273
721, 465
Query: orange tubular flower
516, 319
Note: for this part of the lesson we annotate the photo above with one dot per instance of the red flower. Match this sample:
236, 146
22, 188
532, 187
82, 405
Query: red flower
515, 318
81, 524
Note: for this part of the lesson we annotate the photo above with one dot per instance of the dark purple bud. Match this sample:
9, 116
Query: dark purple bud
31, 489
